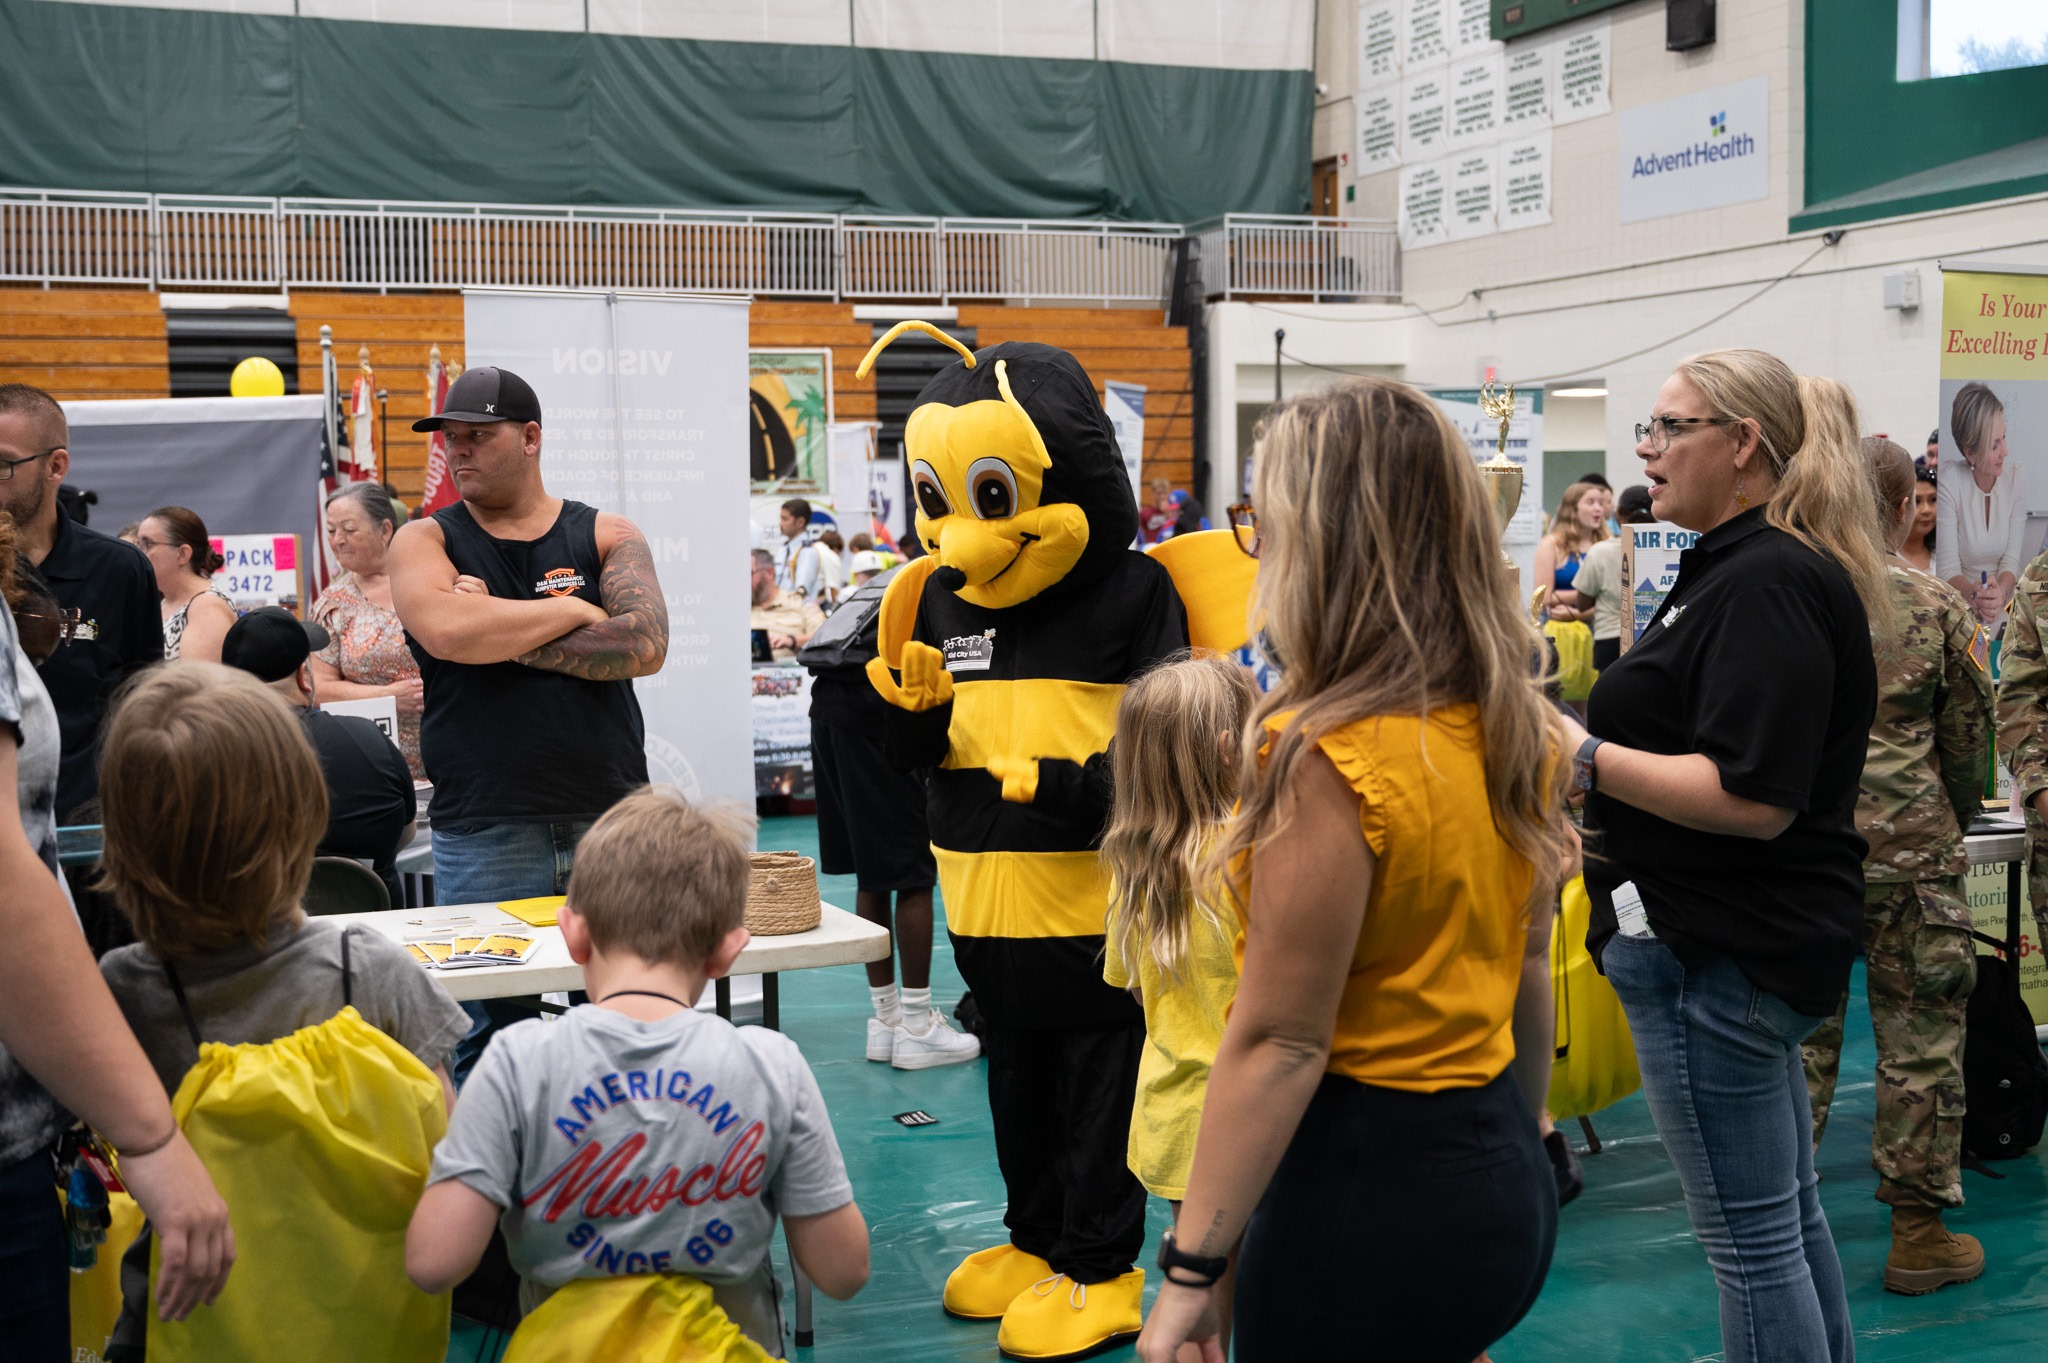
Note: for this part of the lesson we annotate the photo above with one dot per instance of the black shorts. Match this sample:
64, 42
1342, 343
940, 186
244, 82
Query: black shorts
871, 817
1606, 652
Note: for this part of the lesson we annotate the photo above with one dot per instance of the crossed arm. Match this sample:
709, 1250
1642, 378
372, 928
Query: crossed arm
457, 620
633, 640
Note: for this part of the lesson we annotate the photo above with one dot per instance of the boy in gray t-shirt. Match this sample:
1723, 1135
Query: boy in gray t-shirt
635, 1135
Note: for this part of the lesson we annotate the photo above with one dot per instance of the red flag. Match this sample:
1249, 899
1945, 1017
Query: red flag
439, 489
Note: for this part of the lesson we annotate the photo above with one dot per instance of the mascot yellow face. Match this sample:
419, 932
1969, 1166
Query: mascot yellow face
1008, 515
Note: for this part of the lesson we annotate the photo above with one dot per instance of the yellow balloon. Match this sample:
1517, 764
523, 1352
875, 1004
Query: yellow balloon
256, 377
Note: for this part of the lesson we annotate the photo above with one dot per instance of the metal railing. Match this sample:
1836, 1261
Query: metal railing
159, 240
1325, 260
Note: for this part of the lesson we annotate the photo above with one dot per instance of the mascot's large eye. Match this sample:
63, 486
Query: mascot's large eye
931, 497
992, 489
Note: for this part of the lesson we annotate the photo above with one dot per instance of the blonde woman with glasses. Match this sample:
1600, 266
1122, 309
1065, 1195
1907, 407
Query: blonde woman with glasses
1722, 772
1370, 1129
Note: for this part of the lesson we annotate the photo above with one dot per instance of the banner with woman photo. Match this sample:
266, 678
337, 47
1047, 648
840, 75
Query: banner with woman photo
1991, 516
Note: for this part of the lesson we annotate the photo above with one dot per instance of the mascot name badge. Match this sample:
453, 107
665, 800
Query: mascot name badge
1024, 509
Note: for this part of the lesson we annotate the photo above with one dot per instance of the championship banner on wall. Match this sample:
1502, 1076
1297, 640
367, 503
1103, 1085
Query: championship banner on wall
1991, 516
676, 370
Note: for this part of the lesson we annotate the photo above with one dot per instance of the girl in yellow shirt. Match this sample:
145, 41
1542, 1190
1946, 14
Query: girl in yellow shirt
1177, 727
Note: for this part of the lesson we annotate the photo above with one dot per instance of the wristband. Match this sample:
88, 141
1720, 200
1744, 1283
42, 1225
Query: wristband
1207, 1271
154, 1146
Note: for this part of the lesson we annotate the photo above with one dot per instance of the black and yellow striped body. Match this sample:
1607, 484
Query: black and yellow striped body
1024, 887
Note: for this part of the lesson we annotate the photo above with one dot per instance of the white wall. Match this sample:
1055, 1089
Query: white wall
1574, 299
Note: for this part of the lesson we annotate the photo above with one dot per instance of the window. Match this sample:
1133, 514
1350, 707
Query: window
1940, 38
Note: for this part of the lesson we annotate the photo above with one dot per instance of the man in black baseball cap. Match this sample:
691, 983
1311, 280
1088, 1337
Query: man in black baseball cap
486, 394
371, 807
530, 616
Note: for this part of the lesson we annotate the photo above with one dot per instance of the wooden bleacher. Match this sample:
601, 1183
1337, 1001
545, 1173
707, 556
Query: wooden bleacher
84, 343
107, 343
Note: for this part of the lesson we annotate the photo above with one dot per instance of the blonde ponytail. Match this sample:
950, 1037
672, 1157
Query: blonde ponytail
1826, 496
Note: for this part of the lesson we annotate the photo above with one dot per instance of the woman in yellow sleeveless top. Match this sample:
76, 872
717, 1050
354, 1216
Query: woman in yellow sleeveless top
1370, 1130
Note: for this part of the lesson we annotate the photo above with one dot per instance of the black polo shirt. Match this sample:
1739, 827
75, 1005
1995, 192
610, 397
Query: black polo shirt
119, 630
370, 796
1761, 660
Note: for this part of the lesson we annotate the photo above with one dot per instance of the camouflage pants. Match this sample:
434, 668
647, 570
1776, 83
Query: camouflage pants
1919, 966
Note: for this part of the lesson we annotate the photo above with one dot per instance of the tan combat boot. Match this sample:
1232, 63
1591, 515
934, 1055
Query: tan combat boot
1926, 1256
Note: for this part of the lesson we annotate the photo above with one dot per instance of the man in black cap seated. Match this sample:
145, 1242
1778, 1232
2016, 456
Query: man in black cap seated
371, 807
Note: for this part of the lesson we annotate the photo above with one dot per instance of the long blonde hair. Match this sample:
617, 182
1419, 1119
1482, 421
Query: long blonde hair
1565, 531
1807, 432
1382, 591
1175, 785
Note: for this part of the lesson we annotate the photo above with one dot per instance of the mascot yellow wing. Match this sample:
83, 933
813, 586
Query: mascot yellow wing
899, 609
1214, 578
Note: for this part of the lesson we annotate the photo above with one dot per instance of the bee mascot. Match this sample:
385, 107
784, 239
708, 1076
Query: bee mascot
1004, 651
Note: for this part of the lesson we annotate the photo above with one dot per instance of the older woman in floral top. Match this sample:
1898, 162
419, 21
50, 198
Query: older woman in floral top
366, 656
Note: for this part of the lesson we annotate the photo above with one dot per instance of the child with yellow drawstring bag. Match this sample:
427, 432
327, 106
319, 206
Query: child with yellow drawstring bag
1177, 729
306, 1063
636, 1152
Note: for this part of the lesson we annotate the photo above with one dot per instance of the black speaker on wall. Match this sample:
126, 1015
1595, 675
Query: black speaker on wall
1688, 24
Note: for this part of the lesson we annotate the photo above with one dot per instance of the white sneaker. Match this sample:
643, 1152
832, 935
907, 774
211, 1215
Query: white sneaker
937, 1045
882, 1039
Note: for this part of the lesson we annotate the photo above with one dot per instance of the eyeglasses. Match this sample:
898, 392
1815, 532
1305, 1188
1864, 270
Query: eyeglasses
8, 466
1244, 528
1662, 430
145, 543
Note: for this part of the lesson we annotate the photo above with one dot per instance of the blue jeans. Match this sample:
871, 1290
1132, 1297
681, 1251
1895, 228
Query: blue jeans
35, 1278
483, 863
1727, 1088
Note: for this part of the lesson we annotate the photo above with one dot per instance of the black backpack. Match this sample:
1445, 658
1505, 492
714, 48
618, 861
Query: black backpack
850, 635
2005, 1075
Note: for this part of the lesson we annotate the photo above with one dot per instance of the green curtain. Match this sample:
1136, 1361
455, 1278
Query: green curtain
182, 101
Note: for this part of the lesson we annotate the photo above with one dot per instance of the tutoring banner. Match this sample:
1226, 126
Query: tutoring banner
1992, 483
677, 370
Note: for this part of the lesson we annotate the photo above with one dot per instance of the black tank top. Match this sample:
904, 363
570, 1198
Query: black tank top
508, 743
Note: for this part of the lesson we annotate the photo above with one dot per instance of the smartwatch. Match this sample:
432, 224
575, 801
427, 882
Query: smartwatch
1171, 1257
1584, 774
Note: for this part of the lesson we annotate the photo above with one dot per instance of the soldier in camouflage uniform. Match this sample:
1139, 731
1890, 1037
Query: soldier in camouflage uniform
2023, 721
1923, 781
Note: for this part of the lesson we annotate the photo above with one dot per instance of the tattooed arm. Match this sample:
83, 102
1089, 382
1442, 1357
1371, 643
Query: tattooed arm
634, 641
1310, 883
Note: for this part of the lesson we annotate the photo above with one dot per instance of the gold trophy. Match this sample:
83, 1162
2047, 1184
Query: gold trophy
1503, 476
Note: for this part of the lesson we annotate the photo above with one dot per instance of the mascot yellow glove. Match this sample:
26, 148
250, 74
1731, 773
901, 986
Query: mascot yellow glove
1019, 776
926, 683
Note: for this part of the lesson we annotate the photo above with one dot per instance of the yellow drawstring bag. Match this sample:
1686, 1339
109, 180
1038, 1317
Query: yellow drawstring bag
642, 1318
96, 1293
320, 1143
1595, 1062
1574, 641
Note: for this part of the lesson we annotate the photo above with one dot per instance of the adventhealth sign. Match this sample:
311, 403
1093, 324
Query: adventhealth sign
1697, 151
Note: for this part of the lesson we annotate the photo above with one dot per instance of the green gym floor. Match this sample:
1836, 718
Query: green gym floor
1628, 1284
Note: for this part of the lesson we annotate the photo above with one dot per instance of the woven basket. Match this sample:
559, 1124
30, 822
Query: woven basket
782, 894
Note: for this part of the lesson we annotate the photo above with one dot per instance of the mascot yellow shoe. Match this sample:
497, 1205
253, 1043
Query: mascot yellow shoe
1060, 1318
988, 1280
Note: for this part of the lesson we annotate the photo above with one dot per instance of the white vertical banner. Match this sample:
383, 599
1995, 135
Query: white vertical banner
1476, 86
1377, 114
1472, 27
1426, 30
1379, 42
1529, 87
850, 444
675, 369
1584, 60
1125, 404
1424, 200
1475, 194
1525, 182
1425, 115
